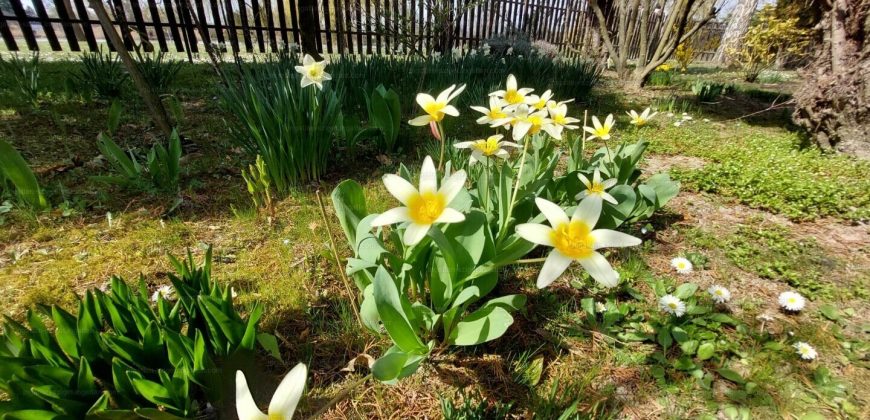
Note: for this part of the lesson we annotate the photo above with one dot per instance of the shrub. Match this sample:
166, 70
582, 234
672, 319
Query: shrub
24, 75
662, 76
158, 71
706, 91
160, 172
684, 54
291, 127
770, 36
101, 73
16, 174
121, 356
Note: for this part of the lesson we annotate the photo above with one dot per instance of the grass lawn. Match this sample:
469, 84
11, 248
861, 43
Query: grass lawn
759, 212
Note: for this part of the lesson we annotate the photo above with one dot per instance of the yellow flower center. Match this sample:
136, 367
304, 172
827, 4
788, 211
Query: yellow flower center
536, 122
681, 265
427, 207
540, 104
673, 306
559, 119
603, 131
496, 113
315, 72
276, 416
488, 147
719, 292
596, 188
513, 97
434, 110
573, 239
792, 300
639, 121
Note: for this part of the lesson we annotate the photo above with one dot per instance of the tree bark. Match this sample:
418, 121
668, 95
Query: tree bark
833, 104
309, 23
738, 23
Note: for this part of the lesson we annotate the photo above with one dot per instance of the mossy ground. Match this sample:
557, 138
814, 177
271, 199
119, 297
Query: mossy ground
766, 212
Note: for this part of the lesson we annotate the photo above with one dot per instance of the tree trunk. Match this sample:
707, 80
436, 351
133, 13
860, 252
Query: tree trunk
738, 23
309, 24
833, 104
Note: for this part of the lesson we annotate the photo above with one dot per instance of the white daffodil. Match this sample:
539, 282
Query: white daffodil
313, 72
672, 305
525, 122
539, 102
494, 112
512, 95
805, 351
437, 108
641, 119
283, 403
482, 150
574, 240
719, 294
596, 188
600, 131
422, 207
682, 265
792, 301
166, 292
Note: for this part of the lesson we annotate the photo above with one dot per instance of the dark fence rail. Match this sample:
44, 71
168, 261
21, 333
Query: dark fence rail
329, 26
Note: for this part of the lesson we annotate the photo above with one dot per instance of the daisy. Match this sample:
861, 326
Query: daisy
422, 207
512, 95
313, 72
719, 294
283, 403
792, 301
672, 305
600, 131
574, 240
166, 292
640, 120
596, 188
682, 265
494, 112
437, 108
805, 351
482, 150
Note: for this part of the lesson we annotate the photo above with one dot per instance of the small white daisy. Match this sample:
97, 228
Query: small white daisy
600, 307
672, 305
805, 351
719, 294
682, 265
166, 291
792, 301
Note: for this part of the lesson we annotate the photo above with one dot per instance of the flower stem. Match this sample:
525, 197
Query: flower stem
350, 293
443, 141
514, 194
531, 260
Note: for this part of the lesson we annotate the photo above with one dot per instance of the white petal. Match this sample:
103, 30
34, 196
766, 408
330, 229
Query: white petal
424, 99
596, 176
400, 188
308, 60
415, 233
502, 153
463, 144
589, 210
289, 392
450, 110
428, 176
396, 215
536, 233
554, 131
609, 183
600, 270
246, 408
305, 82
554, 214
584, 180
553, 267
521, 129
445, 94
609, 121
590, 130
453, 185
450, 216
421, 120
511, 82
595, 122
609, 198
480, 109
509, 144
455, 93
606, 238
326, 76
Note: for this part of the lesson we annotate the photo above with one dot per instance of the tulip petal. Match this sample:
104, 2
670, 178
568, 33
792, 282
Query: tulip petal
606, 238
455, 93
463, 144
424, 99
421, 120
609, 198
415, 233
600, 270
287, 396
400, 188
554, 214
246, 408
588, 211
428, 176
450, 216
452, 185
450, 110
391, 216
536, 233
553, 267
584, 180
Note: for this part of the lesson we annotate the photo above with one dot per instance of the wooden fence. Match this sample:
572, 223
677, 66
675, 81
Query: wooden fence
338, 26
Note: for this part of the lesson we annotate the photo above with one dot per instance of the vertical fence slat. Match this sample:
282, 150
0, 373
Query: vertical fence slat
66, 24
232, 28
270, 23
294, 17
173, 26
158, 24
121, 20
188, 28
47, 28
139, 20
200, 15
216, 21
85, 20
8, 38
24, 25
258, 24
282, 22
246, 33
327, 27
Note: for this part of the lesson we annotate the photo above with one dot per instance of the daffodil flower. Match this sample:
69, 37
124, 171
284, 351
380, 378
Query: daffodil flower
437, 108
313, 72
482, 150
539, 102
422, 207
574, 240
600, 131
283, 403
640, 120
524, 122
513, 95
494, 112
596, 188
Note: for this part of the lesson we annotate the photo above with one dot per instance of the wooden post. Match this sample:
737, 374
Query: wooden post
158, 113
